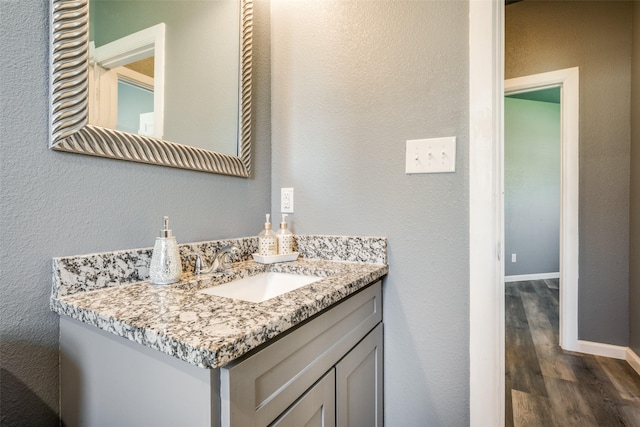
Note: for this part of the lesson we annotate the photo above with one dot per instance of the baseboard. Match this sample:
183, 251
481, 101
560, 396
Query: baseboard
633, 360
608, 350
537, 276
600, 349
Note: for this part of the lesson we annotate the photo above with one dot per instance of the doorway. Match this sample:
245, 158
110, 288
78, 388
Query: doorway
486, 284
567, 80
532, 185
531, 166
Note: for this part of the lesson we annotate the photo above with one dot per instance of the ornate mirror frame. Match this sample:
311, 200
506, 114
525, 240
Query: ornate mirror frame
68, 117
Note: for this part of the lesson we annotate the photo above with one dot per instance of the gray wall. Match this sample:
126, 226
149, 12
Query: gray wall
634, 228
595, 36
201, 95
351, 82
531, 186
55, 204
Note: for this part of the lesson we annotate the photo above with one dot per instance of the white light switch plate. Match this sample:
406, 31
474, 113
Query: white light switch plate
434, 155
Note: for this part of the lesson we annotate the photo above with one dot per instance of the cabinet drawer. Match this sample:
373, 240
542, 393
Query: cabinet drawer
256, 390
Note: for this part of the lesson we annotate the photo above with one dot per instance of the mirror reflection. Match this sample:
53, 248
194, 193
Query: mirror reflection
167, 69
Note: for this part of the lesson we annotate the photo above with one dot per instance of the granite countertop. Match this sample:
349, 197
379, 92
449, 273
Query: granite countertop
205, 330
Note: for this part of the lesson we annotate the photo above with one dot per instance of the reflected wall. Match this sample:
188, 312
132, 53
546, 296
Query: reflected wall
201, 63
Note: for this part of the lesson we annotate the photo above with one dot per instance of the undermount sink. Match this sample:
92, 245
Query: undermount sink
261, 287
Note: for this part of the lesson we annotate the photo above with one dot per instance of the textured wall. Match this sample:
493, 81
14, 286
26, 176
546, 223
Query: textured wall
595, 36
532, 186
55, 204
634, 229
351, 82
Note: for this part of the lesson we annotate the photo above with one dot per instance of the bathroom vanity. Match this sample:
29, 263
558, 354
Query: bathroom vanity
133, 353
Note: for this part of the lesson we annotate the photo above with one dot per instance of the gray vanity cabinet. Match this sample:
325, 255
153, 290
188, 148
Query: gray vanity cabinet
277, 382
325, 372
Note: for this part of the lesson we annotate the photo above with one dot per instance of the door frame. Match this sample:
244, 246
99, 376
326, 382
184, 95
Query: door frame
148, 42
568, 81
486, 253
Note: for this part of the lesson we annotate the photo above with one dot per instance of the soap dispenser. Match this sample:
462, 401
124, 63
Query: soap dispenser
285, 238
166, 266
267, 241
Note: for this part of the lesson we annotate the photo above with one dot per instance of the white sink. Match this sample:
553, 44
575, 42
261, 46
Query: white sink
261, 287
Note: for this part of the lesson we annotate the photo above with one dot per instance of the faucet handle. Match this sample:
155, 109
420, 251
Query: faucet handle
201, 264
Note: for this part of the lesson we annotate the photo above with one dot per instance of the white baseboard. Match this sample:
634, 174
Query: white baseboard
600, 349
537, 276
633, 360
608, 350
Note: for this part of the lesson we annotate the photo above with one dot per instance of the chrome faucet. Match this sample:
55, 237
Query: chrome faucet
220, 261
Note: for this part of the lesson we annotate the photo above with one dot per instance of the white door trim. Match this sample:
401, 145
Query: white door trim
134, 47
486, 255
568, 80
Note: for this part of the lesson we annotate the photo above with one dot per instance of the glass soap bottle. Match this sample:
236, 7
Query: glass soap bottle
285, 238
166, 266
267, 241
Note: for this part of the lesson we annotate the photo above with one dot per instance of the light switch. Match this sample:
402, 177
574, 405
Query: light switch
434, 155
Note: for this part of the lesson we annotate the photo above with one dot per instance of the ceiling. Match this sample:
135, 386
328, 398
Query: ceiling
544, 95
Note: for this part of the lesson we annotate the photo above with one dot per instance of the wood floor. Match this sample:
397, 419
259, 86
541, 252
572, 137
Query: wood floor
546, 386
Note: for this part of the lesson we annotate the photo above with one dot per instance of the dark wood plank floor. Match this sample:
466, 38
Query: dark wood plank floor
546, 386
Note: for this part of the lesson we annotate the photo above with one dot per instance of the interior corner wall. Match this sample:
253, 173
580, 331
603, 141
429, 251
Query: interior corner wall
544, 36
351, 82
531, 186
634, 226
59, 204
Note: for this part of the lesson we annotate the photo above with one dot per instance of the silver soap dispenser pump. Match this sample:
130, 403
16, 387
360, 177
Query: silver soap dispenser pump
166, 266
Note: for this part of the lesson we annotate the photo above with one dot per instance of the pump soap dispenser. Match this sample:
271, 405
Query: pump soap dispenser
285, 238
267, 241
166, 266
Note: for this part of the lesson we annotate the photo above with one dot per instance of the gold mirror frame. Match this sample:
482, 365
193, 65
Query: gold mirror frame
68, 117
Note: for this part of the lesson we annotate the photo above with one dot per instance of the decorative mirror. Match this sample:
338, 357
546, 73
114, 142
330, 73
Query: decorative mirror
90, 78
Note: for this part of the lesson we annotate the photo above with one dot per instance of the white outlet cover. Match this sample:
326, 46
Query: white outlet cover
433, 155
286, 200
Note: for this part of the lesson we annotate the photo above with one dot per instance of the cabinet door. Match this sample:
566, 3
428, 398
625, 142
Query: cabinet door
316, 408
359, 384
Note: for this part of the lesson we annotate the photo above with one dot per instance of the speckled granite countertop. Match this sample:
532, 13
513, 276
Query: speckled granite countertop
206, 330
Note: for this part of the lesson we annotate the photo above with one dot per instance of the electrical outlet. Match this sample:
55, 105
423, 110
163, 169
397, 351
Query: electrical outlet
286, 200
513, 257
